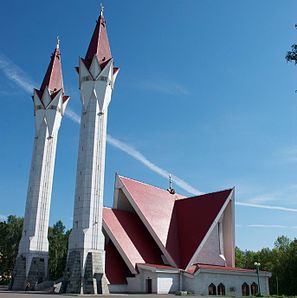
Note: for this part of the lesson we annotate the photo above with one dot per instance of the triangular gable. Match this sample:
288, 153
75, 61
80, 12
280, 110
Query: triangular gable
196, 218
131, 238
155, 207
211, 252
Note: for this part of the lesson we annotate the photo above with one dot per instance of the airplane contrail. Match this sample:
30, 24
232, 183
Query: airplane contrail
20, 78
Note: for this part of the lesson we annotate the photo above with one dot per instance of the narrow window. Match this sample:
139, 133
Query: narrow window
254, 289
245, 289
212, 289
221, 290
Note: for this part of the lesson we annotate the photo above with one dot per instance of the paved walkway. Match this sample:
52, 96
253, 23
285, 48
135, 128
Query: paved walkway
4, 294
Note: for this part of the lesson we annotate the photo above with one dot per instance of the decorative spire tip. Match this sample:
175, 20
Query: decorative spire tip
58, 42
101, 9
170, 189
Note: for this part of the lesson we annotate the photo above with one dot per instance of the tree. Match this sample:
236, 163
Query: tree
58, 243
10, 236
292, 55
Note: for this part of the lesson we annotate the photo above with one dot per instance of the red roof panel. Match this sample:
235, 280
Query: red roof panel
156, 206
204, 266
99, 44
195, 216
132, 236
53, 79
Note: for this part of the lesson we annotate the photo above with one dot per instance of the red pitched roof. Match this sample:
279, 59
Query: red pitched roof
156, 266
193, 269
99, 44
156, 206
132, 236
194, 217
179, 223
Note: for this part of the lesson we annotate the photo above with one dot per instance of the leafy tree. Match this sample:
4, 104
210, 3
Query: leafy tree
58, 243
292, 54
10, 236
281, 261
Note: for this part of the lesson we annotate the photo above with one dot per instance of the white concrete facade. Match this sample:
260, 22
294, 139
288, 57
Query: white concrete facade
96, 86
232, 280
48, 115
162, 281
165, 281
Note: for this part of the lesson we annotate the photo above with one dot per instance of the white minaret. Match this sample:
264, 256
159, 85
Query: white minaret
86, 256
49, 107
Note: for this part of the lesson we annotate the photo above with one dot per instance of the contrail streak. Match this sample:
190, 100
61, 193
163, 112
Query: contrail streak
72, 116
19, 77
153, 167
263, 226
266, 207
15, 74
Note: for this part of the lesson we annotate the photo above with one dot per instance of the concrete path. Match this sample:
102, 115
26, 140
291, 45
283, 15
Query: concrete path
6, 294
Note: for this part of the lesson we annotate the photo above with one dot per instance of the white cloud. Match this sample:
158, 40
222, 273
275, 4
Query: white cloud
15, 74
271, 207
264, 226
128, 149
72, 115
163, 86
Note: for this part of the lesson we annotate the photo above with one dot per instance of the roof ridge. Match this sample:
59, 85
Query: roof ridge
141, 182
209, 193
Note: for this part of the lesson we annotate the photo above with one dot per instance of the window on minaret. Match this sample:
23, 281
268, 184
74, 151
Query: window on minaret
221, 290
212, 289
245, 289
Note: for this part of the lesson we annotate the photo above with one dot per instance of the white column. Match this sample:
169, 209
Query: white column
96, 89
34, 242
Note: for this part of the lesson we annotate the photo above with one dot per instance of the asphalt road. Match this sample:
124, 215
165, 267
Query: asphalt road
45, 295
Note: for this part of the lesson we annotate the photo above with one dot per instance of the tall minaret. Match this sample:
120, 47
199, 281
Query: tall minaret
49, 107
86, 256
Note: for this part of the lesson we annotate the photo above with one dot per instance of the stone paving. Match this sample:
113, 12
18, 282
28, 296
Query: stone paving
4, 294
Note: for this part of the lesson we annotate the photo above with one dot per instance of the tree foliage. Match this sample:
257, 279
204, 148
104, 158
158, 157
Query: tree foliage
10, 236
292, 55
58, 243
281, 260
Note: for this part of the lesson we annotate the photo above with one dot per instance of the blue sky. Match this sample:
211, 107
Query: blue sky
204, 92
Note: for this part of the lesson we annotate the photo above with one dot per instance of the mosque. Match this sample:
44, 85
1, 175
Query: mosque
153, 240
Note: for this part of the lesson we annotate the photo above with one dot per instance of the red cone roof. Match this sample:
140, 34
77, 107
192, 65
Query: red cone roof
53, 79
99, 44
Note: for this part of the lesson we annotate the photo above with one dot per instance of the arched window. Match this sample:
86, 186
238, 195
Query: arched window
212, 289
221, 290
245, 289
254, 289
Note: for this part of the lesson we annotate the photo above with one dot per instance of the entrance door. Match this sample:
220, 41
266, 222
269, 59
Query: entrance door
149, 287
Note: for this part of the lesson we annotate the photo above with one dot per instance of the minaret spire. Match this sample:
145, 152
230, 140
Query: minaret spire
86, 255
53, 79
49, 106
